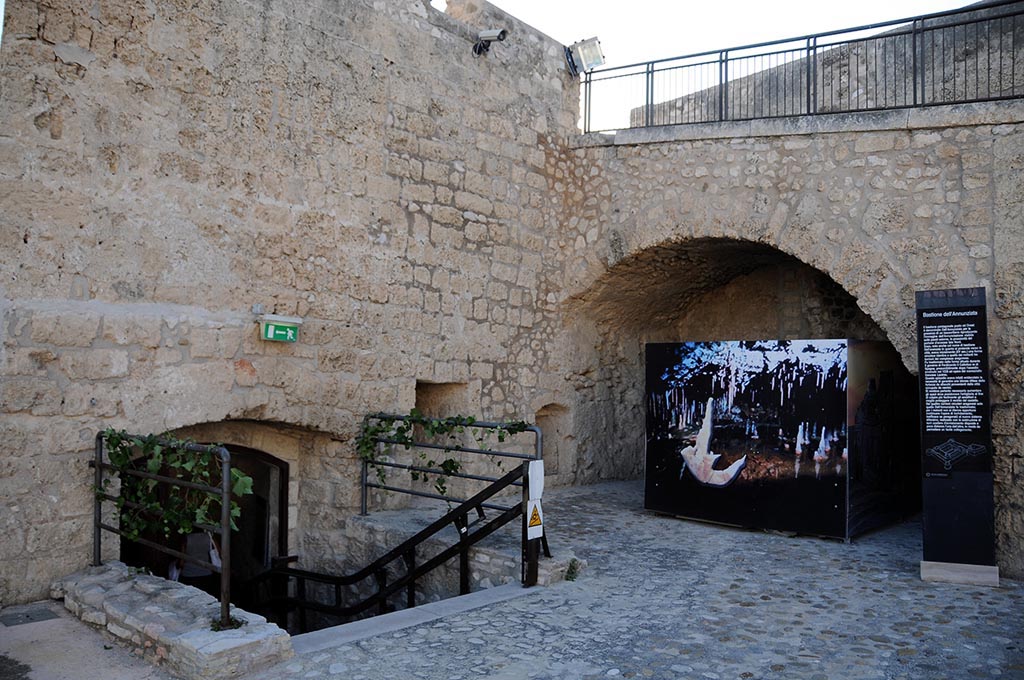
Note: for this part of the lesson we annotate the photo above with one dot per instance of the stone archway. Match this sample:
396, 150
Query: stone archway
697, 289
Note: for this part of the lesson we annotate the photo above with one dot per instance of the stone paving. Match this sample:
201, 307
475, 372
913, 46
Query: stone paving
666, 598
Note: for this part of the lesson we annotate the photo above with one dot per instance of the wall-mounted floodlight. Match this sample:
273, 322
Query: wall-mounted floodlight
586, 55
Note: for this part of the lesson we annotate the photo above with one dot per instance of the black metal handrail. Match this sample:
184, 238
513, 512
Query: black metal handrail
957, 56
223, 530
366, 484
470, 533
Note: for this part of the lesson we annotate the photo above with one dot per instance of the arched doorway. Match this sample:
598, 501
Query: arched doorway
705, 290
262, 524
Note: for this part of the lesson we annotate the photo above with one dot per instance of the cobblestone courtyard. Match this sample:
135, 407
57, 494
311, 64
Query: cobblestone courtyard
660, 598
664, 598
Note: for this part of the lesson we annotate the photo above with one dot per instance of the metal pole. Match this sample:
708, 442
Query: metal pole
525, 519
463, 526
649, 97
913, 59
410, 568
586, 102
721, 86
97, 509
363, 489
725, 85
225, 537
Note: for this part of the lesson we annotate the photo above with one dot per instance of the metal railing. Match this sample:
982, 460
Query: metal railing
366, 484
967, 55
223, 529
289, 589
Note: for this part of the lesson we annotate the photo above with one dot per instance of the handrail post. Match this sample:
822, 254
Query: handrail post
300, 594
723, 85
812, 83
363, 490
225, 537
381, 575
914, 61
530, 547
410, 567
587, 82
649, 96
97, 509
525, 497
462, 524
363, 477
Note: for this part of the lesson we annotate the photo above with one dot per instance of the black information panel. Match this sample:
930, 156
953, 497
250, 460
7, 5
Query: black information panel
956, 436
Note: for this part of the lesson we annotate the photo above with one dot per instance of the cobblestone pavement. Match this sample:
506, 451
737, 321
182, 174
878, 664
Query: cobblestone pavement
666, 598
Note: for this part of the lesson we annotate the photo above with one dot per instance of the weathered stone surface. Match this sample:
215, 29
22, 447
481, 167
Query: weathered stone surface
169, 623
434, 218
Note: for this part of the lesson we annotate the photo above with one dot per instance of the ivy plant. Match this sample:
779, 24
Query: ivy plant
381, 433
149, 506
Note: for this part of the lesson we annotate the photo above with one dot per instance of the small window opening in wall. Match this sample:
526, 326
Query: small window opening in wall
441, 400
554, 424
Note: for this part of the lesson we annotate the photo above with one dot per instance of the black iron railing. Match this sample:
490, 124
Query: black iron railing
367, 483
968, 55
100, 468
283, 590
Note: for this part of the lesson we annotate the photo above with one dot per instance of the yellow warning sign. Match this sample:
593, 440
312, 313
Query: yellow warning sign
534, 519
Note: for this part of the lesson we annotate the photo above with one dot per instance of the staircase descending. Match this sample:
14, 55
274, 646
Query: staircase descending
302, 600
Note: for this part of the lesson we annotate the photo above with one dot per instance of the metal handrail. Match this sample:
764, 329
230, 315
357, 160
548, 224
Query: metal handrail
470, 533
714, 94
99, 526
366, 484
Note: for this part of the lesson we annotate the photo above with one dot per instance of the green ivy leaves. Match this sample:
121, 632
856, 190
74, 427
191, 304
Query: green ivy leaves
381, 433
147, 506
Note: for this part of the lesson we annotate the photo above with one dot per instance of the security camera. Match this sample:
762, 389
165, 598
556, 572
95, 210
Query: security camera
485, 38
493, 34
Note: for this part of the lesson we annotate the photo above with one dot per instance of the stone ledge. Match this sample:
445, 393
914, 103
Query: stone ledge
923, 117
169, 622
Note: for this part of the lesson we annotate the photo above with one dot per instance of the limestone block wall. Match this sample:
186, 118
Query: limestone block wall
165, 169
881, 204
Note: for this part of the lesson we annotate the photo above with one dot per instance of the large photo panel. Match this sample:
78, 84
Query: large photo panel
749, 433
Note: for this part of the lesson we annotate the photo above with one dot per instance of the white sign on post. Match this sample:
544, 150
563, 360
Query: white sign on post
534, 519
536, 473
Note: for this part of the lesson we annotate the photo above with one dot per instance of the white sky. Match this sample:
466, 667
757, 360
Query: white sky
643, 30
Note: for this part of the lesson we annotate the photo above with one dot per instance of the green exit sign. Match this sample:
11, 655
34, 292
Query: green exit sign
279, 328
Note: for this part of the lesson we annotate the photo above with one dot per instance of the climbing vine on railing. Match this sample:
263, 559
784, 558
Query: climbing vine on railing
390, 431
149, 506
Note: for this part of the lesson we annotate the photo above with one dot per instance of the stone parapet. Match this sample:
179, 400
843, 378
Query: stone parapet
169, 622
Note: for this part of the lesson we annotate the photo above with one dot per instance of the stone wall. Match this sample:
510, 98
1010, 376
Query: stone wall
166, 168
